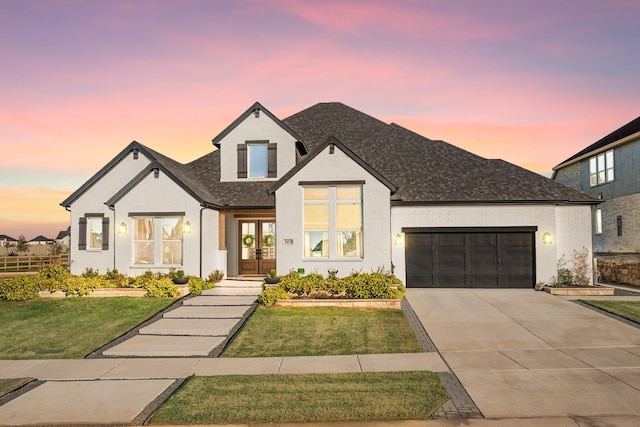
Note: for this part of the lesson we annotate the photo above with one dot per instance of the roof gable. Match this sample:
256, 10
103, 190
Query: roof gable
332, 142
257, 107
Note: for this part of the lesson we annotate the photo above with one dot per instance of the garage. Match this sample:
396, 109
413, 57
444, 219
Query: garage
498, 257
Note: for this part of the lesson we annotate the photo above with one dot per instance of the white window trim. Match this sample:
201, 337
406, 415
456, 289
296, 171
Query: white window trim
607, 159
333, 226
157, 243
98, 219
598, 221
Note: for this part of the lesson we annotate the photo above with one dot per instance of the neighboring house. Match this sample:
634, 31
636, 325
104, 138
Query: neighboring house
39, 240
64, 237
609, 169
6, 240
327, 188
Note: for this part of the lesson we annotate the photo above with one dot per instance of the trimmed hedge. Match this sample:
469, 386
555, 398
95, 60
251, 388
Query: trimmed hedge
356, 286
57, 278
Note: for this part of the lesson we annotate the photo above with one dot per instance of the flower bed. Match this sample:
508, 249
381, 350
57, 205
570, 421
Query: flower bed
358, 286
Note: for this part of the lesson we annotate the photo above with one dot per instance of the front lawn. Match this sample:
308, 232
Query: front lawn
241, 399
628, 309
66, 328
8, 385
318, 331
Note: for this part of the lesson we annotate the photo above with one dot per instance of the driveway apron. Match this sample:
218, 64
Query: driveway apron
522, 353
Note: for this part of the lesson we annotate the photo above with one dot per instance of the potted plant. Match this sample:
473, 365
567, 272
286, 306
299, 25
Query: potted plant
180, 279
272, 279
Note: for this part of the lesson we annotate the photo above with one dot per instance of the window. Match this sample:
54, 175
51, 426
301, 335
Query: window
257, 159
157, 240
333, 221
598, 221
94, 236
601, 169
93, 232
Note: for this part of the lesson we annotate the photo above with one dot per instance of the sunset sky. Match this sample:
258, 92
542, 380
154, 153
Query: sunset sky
531, 82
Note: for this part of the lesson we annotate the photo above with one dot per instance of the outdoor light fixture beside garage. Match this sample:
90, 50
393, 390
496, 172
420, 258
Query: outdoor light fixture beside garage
546, 238
399, 239
122, 228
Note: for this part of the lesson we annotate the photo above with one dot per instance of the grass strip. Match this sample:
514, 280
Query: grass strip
318, 331
8, 385
243, 399
630, 310
67, 328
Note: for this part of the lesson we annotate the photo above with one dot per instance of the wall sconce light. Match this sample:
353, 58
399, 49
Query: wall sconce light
399, 239
186, 228
122, 228
546, 238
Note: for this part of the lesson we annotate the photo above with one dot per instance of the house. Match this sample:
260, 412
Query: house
39, 240
5, 240
64, 237
327, 188
609, 169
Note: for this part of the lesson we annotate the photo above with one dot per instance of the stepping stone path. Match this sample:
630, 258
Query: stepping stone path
201, 326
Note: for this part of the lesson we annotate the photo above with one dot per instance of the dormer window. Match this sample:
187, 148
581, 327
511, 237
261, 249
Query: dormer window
257, 159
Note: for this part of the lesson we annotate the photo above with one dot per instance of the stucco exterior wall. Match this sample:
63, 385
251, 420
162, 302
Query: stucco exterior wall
93, 201
251, 129
569, 228
289, 218
162, 195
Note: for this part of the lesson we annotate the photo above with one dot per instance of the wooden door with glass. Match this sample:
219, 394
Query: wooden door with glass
257, 246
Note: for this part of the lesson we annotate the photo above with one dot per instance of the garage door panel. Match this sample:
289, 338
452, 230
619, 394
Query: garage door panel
473, 259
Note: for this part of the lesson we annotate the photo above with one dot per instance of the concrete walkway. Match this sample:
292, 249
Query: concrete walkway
526, 358
200, 326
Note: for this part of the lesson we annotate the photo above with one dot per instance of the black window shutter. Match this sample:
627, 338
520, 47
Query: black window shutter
82, 234
242, 160
105, 233
272, 162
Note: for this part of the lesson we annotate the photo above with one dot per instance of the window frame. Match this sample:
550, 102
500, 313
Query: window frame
602, 168
98, 221
598, 220
157, 239
256, 144
333, 231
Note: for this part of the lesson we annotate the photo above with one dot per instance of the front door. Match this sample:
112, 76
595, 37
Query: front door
257, 246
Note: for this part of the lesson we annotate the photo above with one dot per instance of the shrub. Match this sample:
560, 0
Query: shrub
115, 279
79, 286
161, 288
373, 285
580, 267
90, 272
52, 278
197, 285
270, 296
215, 276
18, 288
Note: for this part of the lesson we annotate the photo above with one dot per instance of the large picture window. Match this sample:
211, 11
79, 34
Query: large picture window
333, 221
601, 169
157, 240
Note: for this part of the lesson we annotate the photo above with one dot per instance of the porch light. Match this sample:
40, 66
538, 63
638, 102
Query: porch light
546, 238
399, 240
186, 228
122, 228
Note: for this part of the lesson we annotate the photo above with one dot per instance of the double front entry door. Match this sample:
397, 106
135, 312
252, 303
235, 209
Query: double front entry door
257, 246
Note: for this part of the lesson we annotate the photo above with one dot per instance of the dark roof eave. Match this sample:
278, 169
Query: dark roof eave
492, 202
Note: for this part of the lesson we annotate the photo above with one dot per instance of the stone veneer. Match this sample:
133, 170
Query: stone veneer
619, 269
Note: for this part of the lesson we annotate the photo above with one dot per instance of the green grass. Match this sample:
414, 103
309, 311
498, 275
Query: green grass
66, 328
628, 309
8, 385
240, 399
317, 331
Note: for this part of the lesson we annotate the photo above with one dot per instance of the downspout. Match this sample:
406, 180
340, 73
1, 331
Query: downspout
113, 245
201, 233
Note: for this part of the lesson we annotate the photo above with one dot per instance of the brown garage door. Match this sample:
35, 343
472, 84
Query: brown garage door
502, 257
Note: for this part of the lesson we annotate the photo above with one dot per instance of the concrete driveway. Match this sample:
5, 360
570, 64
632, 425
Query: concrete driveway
522, 353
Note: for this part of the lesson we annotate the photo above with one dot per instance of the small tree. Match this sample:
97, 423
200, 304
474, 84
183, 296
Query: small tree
580, 267
21, 244
56, 248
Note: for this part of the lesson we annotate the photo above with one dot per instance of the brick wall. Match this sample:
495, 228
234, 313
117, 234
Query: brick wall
609, 242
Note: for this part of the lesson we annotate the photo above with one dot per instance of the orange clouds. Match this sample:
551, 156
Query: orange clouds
32, 211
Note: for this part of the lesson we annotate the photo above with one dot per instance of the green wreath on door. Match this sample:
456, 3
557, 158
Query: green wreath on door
248, 240
268, 240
